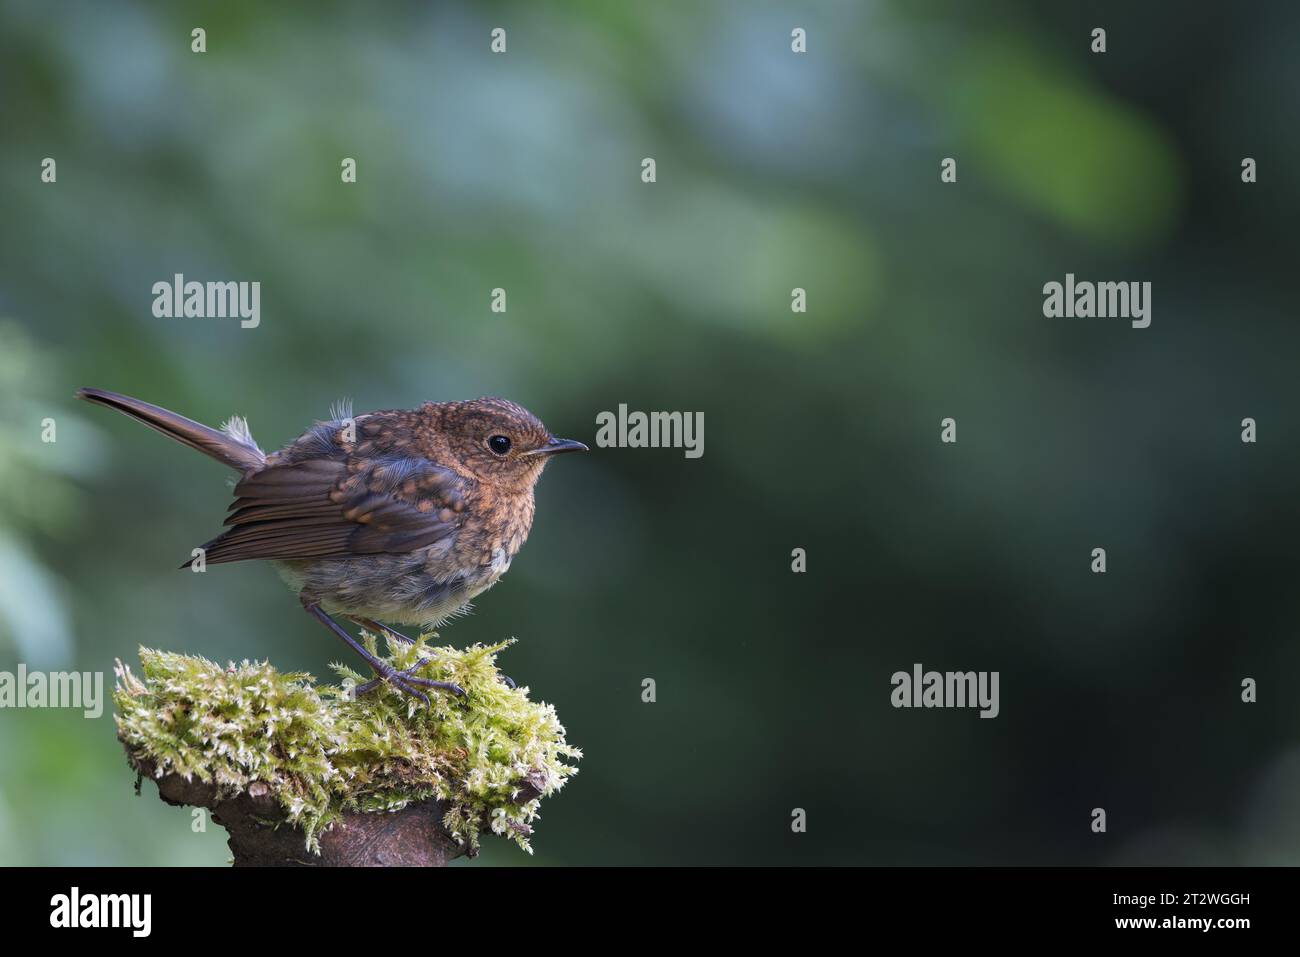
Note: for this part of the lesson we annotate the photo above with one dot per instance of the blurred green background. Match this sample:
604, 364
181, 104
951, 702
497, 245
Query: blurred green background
775, 170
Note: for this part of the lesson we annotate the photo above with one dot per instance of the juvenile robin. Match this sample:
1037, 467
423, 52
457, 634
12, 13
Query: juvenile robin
397, 516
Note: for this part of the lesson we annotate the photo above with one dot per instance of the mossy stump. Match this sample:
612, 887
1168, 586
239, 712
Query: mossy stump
301, 775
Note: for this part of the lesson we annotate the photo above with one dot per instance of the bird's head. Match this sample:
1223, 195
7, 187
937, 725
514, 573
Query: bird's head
499, 442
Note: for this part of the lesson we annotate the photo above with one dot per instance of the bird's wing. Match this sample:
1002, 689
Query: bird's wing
339, 505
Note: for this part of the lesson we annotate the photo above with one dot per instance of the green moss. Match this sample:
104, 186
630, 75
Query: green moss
490, 756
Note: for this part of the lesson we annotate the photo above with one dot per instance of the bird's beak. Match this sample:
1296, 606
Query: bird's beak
559, 445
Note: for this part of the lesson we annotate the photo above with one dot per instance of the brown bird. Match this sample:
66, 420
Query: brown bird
394, 516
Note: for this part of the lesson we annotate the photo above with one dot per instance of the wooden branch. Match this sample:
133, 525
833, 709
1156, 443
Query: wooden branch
260, 837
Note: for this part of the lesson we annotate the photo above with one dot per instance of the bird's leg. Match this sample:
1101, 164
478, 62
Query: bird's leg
373, 625
402, 680
380, 626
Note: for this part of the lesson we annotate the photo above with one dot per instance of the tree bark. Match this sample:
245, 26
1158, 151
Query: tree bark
411, 837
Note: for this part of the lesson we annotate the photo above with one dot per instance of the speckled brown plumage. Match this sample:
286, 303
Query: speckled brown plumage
398, 516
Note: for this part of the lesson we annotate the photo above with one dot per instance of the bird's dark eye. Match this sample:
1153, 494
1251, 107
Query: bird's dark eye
499, 444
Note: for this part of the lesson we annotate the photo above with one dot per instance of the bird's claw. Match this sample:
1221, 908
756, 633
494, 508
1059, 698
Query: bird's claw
408, 682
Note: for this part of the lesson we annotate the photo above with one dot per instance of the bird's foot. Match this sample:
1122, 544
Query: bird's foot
408, 682
507, 681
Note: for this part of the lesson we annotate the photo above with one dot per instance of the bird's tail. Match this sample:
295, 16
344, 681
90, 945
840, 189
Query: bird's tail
234, 447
